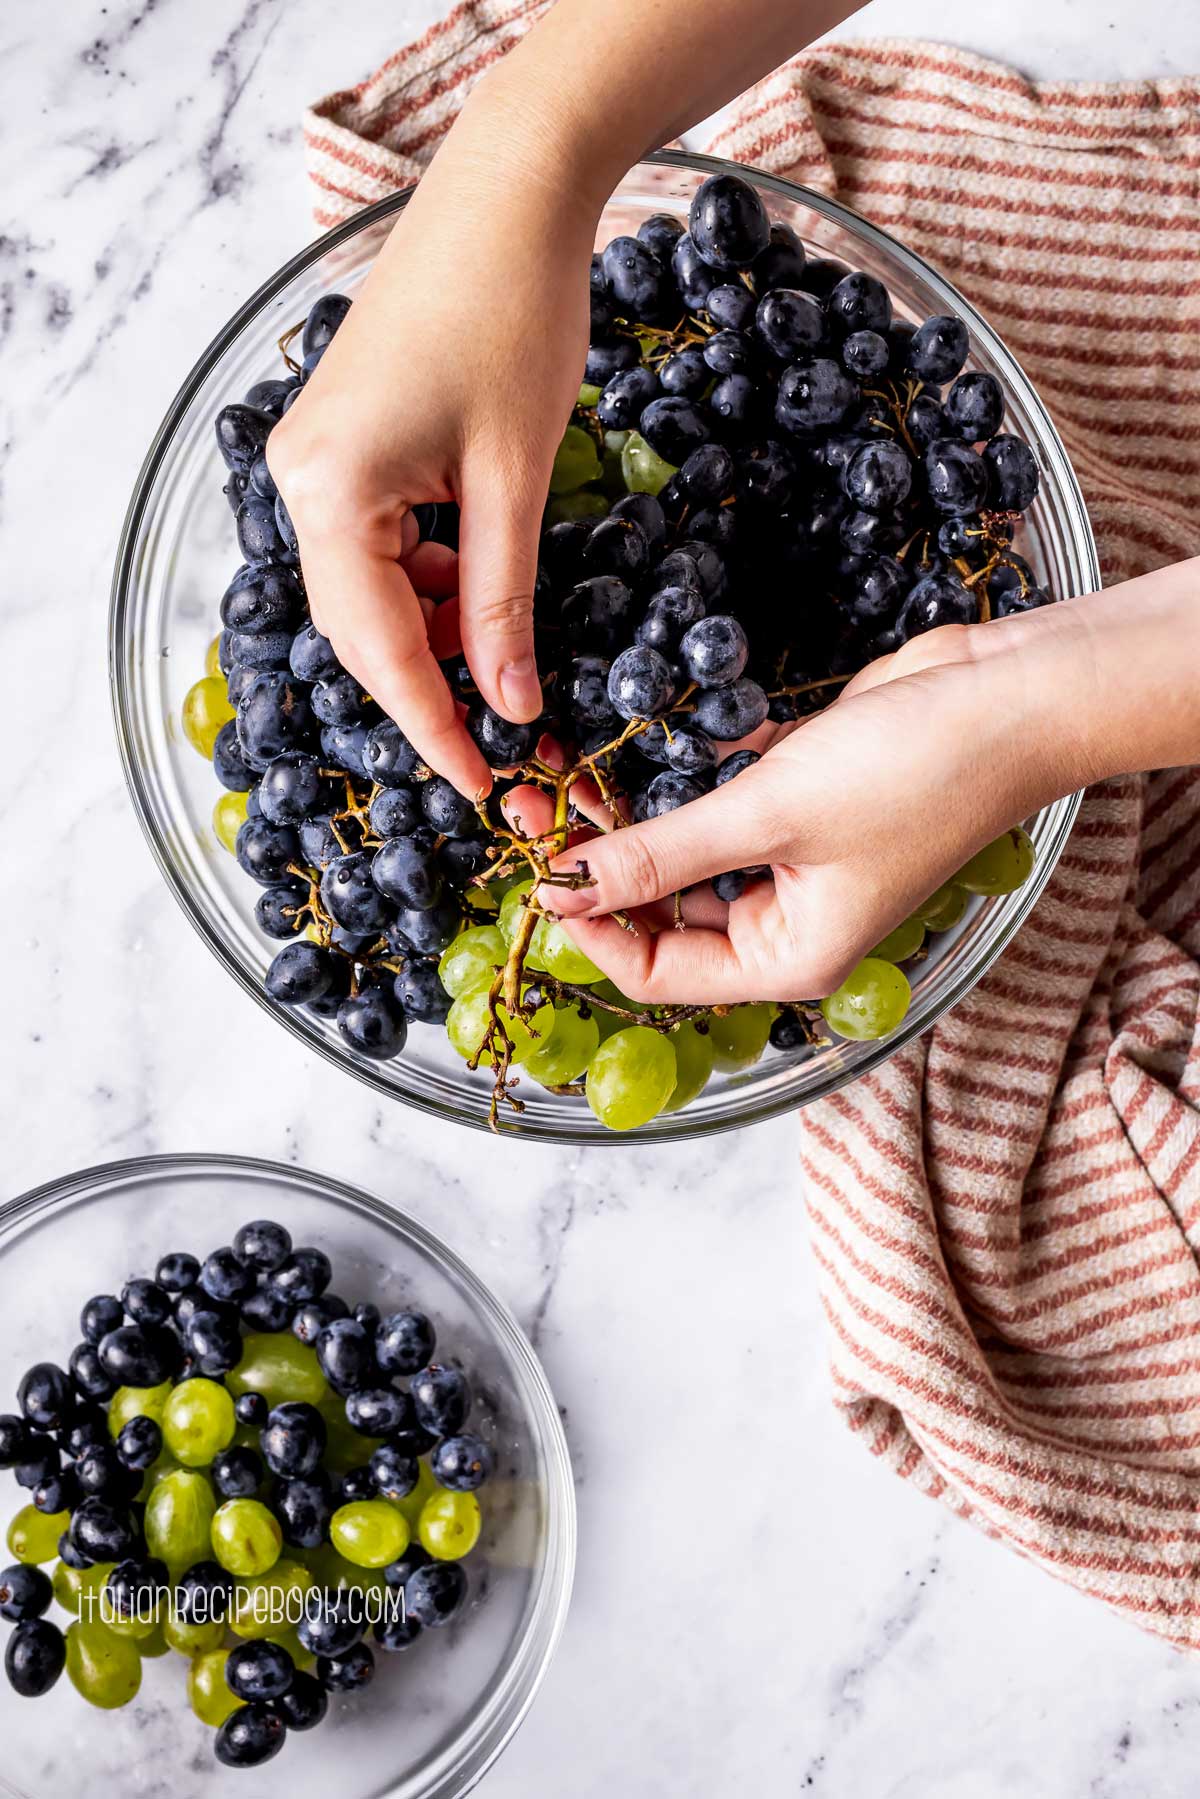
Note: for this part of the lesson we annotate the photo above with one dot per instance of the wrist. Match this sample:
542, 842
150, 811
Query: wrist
1113, 669
540, 138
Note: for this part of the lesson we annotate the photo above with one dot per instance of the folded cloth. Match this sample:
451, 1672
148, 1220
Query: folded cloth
1005, 1215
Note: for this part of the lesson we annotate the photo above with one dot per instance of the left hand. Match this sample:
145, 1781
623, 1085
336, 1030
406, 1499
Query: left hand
862, 812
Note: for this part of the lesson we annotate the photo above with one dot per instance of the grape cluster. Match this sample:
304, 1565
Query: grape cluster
768, 480
232, 1460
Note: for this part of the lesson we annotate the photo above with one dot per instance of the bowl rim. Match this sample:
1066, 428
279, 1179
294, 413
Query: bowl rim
676, 1128
506, 1707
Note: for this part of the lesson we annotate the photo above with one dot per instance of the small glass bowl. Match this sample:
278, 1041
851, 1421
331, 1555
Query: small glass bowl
436, 1715
178, 552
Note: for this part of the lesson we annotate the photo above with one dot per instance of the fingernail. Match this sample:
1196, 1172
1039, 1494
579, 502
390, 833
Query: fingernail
573, 902
519, 688
568, 902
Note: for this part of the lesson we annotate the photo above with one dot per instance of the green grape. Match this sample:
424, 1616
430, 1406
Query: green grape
571, 1046
104, 1669
290, 1640
472, 959
740, 1037
693, 1065
198, 1422
631, 1078
563, 958
512, 911
158, 1470
410, 1506
449, 1525
33, 1535
136, 1402
1000, 867
280, 1367
333, 1572
550, 949
246, 1538
67, 1584
208, 1694
644, 470
955, 901
870, 1002
589, 394
612, 469
136, 1629
345, 1448
229, 815
568, 507
71, 1584
482, 899
263, 1604
192, 1639
212, 657
467, 1023
151, 1647
370, 1533
943, 908
179, 1515
903, 942
610, 1023
139, 1629
575, 461
206, 708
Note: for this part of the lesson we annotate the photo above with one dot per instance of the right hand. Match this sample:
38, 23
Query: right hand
452, 378
861, 812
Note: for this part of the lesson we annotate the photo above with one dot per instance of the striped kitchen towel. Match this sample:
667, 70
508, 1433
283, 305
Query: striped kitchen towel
1005, 1216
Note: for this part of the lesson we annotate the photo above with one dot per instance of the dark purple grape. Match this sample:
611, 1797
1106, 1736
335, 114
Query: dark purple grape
728, 222
938, 349
790, 324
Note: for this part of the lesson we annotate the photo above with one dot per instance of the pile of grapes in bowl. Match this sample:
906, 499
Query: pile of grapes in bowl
794, 448
286, 1493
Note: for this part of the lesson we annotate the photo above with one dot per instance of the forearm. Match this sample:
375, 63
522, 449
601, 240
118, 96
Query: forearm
595, 85
1101, 685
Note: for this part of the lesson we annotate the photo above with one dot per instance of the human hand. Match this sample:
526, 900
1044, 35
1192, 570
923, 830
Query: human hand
452, 377
862, 811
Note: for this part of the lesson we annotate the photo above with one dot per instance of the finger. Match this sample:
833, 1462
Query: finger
433, 570
698, 906
498, 539
528, 810
445, 636
532, 811
639, 863
379, 634
693, 967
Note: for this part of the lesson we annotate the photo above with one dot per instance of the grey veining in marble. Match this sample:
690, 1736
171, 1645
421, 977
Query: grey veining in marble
759, 1608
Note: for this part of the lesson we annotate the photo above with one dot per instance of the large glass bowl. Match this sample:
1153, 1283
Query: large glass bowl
178, 551
437, 1715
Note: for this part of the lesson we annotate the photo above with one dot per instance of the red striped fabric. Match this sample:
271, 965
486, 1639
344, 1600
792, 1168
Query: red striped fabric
1005, 1217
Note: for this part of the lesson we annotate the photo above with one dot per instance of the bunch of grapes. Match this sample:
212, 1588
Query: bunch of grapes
768, 481
229, 1466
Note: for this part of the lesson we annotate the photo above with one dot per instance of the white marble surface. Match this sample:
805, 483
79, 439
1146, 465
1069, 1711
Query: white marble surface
759, 1608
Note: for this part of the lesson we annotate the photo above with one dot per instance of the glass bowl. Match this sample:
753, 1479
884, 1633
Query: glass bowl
437, 1715
178, 551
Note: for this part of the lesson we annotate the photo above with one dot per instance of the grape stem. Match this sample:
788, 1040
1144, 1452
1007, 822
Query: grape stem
284, 344
809, 686
664, 1019
898, 408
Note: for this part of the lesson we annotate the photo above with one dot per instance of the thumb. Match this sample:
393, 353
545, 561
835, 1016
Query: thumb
498, 541
637, 864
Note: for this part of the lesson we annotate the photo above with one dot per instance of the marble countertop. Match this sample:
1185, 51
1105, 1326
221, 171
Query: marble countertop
759, 1607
